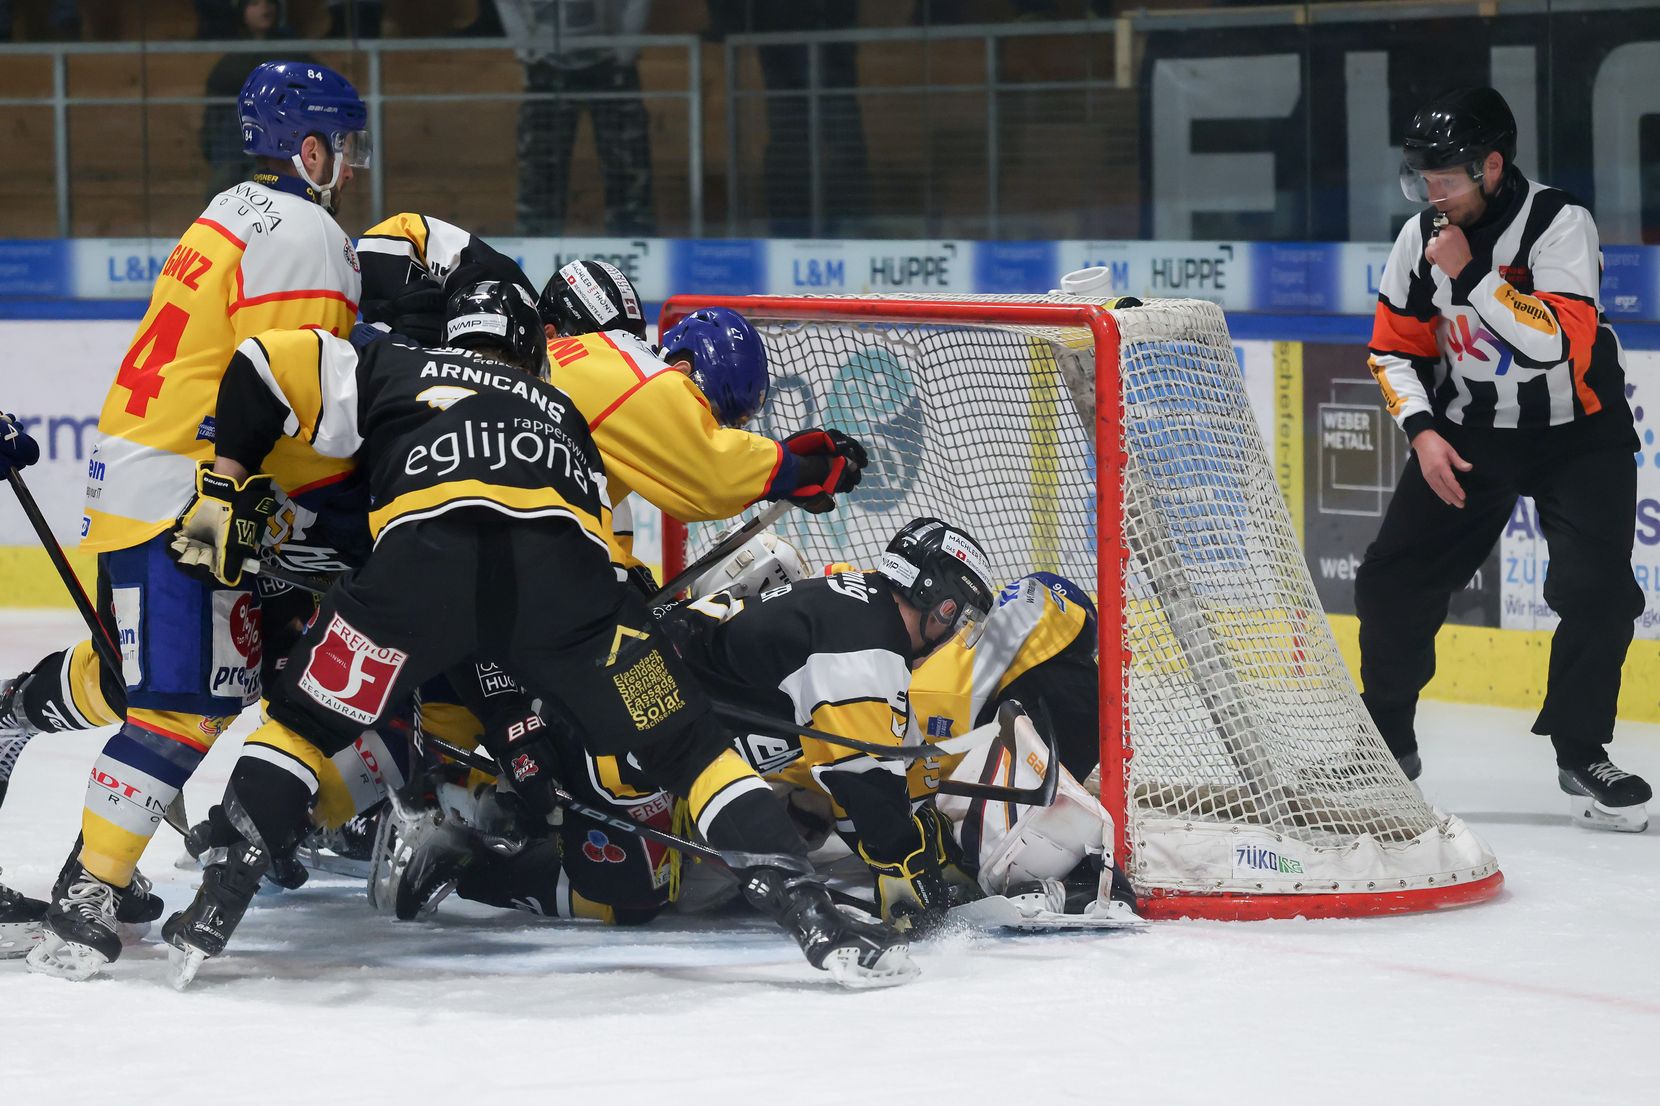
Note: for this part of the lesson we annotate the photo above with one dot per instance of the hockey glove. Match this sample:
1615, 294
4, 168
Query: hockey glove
17, 449
911, 892
223, 525
828, 462
415, 311
936, 831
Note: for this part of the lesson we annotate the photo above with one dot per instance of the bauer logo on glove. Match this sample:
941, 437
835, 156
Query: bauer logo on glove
222, 525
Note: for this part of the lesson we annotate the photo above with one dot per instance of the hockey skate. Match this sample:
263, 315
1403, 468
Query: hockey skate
81, 932
1601, 796
203, 929
419, 855
20, 923
136, 905
858, 951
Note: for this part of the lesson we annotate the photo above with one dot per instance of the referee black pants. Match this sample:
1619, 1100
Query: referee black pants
1584, 483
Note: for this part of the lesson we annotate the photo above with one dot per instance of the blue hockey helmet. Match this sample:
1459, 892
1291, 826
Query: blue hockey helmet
729, 361
282, 102
1064, 590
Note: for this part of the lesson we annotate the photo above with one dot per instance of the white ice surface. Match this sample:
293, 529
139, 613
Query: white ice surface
1549, 994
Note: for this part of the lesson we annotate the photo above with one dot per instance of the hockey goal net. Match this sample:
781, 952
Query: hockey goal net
1118, 449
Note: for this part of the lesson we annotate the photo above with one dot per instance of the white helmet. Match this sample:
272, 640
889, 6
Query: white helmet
764, 561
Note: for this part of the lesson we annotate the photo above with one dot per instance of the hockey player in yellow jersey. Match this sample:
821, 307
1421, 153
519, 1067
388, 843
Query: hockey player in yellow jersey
265, 254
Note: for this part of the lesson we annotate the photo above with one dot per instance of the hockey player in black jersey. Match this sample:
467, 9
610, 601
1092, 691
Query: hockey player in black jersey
836, 653
489, 520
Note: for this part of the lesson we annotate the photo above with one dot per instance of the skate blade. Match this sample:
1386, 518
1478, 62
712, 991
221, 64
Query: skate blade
1590, 814
64, 959
994, 912
893, 968
183, 964
18, 938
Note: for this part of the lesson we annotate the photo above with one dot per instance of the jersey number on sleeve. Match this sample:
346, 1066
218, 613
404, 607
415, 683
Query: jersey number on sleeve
152, 351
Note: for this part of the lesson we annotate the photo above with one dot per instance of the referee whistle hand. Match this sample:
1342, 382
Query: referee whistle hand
1440, 463
1449, 251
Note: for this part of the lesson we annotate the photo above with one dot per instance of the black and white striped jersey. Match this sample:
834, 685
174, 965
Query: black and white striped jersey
1519, 340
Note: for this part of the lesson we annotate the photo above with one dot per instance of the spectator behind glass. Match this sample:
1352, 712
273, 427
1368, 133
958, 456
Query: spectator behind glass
221, 120
786, 184
547, 128
354, 19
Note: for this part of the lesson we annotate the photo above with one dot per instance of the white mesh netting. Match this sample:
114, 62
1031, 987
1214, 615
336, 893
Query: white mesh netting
1255, 767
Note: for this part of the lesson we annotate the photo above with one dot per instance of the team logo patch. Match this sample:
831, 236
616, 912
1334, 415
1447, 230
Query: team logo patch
351, 258
236, 647
600, 850
493, 681
939, 726
525, 767
351, 675
442, 396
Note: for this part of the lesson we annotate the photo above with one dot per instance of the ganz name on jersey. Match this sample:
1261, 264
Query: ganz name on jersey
186, 266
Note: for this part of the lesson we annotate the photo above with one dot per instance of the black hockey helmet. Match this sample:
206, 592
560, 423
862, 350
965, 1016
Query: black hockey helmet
942, 571
497, 315
1457, 129
588, 296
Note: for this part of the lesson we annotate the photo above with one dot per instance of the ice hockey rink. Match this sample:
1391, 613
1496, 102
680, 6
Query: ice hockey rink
1547, 994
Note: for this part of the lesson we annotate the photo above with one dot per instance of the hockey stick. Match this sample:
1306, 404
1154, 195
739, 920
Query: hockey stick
721, 550
1040, 794
733, 859
778, 727
103, 643
303, 580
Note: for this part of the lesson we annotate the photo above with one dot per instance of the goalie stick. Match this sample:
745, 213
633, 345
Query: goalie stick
102, 642
1043, 793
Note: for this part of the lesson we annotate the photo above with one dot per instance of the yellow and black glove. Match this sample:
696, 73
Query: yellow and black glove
222, 525
911, 891
936, 831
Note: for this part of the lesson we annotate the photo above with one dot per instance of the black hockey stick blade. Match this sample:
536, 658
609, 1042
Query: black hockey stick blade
721, 550
305, 581
1043, 793
779, 727
737, 861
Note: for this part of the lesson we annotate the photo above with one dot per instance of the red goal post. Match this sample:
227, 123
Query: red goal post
1275, 799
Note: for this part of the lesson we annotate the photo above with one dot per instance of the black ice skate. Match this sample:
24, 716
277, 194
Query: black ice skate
81, 933
202, 929
857, 950
1602, 796
20, 923
136, 905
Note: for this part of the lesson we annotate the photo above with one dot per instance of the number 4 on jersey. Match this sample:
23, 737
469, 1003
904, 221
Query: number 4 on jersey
151, 352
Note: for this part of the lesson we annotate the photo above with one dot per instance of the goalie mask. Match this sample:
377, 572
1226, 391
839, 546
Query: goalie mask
498, 316
763, 562
941, 571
